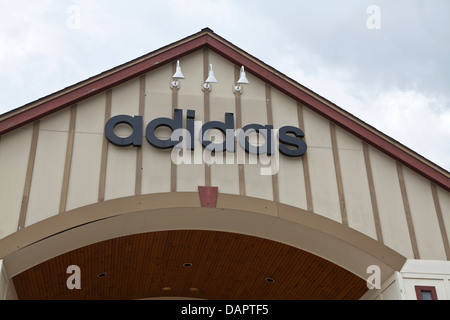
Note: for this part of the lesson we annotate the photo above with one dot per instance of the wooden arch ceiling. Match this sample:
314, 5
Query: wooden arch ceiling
222, 266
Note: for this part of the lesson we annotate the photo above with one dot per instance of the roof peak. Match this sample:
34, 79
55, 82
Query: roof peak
207, 29
207, 38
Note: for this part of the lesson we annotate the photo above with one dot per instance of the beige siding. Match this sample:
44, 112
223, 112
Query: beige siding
158, 103
14, 151
389, 199
222, 96
291, 181
121, 163
87, 151
47, 179
444, 202
355, 184
423, 212
321, 164
190, 96
253, 101
222, 100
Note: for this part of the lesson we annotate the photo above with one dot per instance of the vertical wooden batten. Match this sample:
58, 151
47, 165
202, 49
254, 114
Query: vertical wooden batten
275, 187
173, 167
308, 190
102, 183
409, 221
68, 163
440, 219
373, 195
337, 167
138, 186
237, 99
29, 176
206, 108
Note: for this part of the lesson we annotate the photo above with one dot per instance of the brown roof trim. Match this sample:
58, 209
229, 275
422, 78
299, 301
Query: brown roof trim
206, 37
71, 95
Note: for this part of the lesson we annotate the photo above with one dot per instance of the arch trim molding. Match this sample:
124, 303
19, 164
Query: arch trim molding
101, 221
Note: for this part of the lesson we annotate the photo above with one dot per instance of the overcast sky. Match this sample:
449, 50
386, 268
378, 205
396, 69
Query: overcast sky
385, 61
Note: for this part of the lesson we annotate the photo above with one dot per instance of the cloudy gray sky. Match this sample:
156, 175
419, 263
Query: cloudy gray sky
385, 61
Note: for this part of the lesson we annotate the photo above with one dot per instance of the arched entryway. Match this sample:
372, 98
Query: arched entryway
167, 245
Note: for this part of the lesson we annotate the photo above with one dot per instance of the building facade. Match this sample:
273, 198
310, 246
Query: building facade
280, 194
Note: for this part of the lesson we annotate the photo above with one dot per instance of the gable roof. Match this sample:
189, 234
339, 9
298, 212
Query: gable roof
207, 38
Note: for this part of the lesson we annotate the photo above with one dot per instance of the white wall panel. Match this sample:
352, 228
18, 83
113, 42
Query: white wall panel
321, 165
222, 100
87, 151
390, 205
156, 163
444, 202
47, 179
253, 102
423, 213
190, 97
355, 183
14, 152
291, 180
121, 163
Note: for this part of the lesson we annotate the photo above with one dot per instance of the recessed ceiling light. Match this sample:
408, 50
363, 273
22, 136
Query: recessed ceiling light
167, 288
193, 289
187, 265
270, 280
101, 275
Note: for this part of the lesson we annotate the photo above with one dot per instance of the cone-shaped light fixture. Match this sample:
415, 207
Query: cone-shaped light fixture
243, 77
211, 79
177, 76
242, 80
